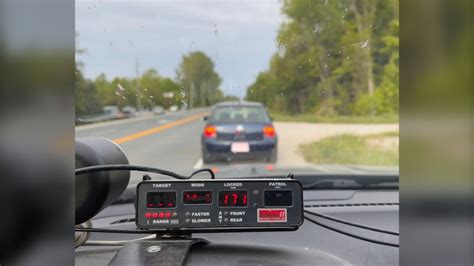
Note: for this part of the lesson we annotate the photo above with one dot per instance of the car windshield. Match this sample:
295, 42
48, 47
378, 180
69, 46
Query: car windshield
245, 88
239, 114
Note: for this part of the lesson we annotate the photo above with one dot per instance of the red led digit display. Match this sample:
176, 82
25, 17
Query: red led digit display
197, 197
233, 198
161, 199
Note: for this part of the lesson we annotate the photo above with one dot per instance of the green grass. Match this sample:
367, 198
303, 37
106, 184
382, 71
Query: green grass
385, 134
350, 149
311, 118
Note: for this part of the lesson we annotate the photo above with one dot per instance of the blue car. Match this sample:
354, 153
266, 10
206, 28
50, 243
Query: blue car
239, 131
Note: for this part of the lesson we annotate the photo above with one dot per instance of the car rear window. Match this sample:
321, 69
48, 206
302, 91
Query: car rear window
239, 114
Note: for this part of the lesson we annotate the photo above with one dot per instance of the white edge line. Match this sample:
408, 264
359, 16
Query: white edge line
198, 164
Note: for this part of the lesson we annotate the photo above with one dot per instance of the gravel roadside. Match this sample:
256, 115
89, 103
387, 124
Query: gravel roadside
292, 135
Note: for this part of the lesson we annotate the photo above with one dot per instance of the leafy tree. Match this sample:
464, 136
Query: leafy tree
334, 58
199, 80
230, 98
87, 100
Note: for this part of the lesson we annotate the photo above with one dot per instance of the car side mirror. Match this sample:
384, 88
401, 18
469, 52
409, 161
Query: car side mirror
204, 118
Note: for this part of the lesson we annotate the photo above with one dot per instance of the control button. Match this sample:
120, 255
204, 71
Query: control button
187, 214
162, 215
226, 213
255, 191
226, 220
187, 220
168, 215
175, 214
148, 215
155, 215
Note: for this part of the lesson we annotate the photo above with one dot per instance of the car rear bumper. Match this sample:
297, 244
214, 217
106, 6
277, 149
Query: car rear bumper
222, 149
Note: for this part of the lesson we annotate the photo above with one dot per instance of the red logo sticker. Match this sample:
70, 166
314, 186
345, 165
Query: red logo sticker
271, 215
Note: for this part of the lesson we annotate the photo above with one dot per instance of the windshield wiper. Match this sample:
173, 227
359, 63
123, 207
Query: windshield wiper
349, 181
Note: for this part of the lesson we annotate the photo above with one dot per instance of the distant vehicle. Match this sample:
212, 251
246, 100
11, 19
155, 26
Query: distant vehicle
112, 112
129, 111
174, 108
239, 130
158, 110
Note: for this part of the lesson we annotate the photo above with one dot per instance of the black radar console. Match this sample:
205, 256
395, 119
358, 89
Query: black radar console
220, 205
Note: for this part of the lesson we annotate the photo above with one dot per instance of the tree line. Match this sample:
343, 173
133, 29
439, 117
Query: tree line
334, 58
196, 84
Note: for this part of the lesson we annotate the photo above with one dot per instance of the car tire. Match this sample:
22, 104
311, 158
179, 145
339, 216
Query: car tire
274, 156
206, 158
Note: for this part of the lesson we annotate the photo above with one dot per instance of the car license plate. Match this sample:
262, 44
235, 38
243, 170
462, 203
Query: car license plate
238, 147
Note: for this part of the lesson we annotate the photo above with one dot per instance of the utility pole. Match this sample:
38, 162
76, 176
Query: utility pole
191, 95
137, 86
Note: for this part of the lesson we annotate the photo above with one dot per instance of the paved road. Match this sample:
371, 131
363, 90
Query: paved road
170, 141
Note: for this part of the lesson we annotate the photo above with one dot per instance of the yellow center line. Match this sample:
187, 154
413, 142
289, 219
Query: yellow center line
155, 130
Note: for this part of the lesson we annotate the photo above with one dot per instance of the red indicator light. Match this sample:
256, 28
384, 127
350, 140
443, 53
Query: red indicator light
269, 167
210, 132
197, 197
226, 199
155, 215
237, 198
161, 199
269, 131
162, 215
148, 215
271, 215
168, 215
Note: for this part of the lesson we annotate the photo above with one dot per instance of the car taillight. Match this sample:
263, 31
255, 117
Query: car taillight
210, 132
269, 131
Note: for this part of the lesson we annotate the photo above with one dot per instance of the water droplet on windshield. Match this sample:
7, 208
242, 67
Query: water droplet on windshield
216, 32
317, 28
281, 50
365, 44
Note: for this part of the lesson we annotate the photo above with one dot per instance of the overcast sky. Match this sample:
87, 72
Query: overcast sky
239, 36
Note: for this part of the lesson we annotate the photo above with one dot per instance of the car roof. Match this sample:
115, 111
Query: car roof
238, 103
